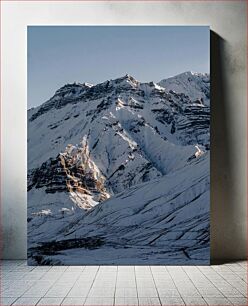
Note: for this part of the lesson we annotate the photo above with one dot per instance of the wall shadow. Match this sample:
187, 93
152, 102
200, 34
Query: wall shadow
223, 226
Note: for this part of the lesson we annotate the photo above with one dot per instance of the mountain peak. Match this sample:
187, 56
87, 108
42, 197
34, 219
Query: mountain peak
126, 78
72, 88
190, 74
86, 84
194, 84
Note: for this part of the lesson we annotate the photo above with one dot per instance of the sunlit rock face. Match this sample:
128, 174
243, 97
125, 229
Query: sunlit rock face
121, 167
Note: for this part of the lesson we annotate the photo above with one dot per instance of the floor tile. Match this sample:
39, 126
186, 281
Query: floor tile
230, 292
8, 300
239, 301
58, 268
149, 301
99, 301
75, 269
107, 292
27, 301
50, 301
210, 292
192, 292
74, 301
13, 292
194, 301
38, 290
120, 301
58, 291
126, 268
147, 292
141, 282
166, 301
165, 292
79, 291
217, 301
125, 283
126, 292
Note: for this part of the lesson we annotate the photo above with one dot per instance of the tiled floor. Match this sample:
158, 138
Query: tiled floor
123, 285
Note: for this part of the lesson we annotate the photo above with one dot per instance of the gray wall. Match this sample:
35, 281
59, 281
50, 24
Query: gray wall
227, 20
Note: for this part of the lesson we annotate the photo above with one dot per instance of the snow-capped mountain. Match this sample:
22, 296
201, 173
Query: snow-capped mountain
120, 167
195, 85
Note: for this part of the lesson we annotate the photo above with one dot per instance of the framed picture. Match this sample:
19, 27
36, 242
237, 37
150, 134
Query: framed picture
118, 145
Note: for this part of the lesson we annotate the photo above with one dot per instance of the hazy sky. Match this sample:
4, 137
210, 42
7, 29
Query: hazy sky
65, 54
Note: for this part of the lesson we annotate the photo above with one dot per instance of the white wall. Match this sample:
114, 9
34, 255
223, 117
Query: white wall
229, 96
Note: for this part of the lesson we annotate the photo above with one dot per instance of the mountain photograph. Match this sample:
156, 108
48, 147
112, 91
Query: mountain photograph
118, 167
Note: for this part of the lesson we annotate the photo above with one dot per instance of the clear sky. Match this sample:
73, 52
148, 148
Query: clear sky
65, 54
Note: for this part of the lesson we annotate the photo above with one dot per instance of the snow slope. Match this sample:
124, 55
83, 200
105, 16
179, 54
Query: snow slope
120, 166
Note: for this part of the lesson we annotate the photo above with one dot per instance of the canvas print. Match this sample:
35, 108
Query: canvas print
118, 145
